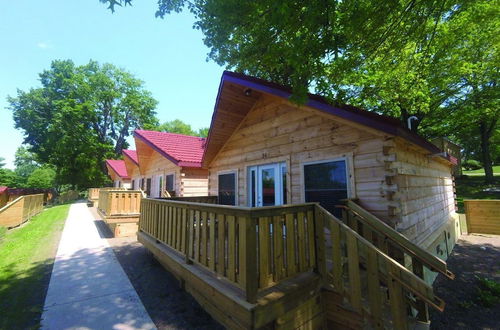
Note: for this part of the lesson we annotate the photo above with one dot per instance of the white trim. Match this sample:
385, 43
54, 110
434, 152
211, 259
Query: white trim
278, 181
348, 158
236, 179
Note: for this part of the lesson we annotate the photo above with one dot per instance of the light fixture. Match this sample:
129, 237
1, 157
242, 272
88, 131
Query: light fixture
248, 92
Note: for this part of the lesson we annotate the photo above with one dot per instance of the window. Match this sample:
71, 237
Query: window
169, 183
133, 184
326, 183
227, 188
148, 187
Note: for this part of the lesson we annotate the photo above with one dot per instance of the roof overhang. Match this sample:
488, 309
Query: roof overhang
238, 93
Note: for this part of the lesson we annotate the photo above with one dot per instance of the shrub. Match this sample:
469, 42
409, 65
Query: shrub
471, 164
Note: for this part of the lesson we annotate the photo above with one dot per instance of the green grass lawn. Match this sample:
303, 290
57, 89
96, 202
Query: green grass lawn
26, 258
496, 171
472, 187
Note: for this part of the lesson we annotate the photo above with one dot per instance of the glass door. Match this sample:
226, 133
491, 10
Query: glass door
267, 185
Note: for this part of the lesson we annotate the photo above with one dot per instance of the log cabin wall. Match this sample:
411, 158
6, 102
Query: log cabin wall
134, 173
425, 191
276, 130
159, 165
194, 182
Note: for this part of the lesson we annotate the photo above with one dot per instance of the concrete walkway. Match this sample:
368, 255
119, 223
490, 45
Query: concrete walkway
88, 288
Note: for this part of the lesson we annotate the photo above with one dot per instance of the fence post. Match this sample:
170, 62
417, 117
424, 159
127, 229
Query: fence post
251, 274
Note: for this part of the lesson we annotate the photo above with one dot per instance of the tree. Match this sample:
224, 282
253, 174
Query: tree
25, 164
180, 127
43, 177
7, 176
80, 116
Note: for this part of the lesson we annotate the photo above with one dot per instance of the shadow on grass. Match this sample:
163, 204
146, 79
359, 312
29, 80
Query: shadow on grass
22, 295
469, 261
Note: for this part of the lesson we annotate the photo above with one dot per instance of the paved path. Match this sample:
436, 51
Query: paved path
88, 288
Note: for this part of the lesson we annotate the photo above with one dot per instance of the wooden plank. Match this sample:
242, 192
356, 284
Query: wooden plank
374, 292
249, 262
203, 251
354, 276
311, 239
264, 252
397, 302
279, 271
290, 245
231, 253
338, 282
197, 236
213, 246
301, 231
221, 243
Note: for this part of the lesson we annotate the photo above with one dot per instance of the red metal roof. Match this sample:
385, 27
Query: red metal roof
132, 154
3, 189
119, 167
182, 150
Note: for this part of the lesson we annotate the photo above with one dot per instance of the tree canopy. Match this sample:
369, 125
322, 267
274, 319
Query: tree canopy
80, 116
437, 60
180, 127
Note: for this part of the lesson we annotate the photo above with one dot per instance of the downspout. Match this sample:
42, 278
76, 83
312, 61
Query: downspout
409, 121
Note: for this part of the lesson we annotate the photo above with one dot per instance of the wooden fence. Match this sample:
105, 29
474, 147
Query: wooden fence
483, 216
119, 202
21, 210
253, 249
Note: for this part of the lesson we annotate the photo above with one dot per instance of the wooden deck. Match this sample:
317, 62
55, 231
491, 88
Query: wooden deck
120, 209
483, 216
274, 267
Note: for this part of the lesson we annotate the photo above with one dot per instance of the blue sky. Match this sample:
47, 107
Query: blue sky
167, 54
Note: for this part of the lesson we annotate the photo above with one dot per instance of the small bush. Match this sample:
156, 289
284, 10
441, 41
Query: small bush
471, 164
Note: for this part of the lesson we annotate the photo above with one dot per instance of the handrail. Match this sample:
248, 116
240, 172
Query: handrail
380, 270
8, 205
377, 225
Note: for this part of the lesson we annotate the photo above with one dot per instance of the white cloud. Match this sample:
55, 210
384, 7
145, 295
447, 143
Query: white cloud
43, 45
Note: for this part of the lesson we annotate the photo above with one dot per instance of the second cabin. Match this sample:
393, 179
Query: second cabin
170, 164
117, 171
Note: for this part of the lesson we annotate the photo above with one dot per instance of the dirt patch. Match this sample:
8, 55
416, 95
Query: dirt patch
474, 257
168, 305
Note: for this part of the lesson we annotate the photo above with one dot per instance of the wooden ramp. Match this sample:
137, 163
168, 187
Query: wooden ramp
120, 210
291, 266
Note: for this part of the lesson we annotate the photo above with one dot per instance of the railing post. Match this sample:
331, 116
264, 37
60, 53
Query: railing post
187, 234
251, 274
319, 235
422, 308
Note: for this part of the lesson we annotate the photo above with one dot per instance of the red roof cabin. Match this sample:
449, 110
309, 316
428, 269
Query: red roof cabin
170, 162
117, 171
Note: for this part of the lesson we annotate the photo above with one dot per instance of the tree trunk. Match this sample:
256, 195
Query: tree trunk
485, 151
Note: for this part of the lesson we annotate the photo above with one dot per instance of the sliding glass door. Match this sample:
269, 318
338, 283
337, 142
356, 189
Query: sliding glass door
267, 185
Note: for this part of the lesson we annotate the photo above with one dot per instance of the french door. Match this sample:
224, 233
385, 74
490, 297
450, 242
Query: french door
267, 185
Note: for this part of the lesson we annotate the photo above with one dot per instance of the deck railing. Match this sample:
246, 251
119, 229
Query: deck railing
375, 285
119, 202
252, 248
93, 193
21, 210
195, 199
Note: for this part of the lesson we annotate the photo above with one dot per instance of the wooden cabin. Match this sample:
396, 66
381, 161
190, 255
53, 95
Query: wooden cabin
4, 196
171, 162
264, 150
117, 171
328, 216
132, 166
452, 149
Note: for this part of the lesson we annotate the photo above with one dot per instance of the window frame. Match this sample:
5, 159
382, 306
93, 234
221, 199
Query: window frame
347, 158
235, 172
173, 181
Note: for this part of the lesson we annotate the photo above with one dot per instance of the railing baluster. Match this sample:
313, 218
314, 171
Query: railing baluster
290, 245
301, 241
354, 277
278, 248
231, 254
374, 297
213, 247
221, 242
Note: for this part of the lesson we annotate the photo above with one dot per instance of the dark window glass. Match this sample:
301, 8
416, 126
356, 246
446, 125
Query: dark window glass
148, 187
326, 183
268, 193
227, 189
252, 187
160, 187
169, 183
